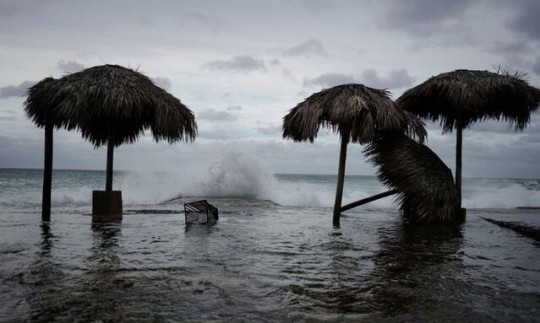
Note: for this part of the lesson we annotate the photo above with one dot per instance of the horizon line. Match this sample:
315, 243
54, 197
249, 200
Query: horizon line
276, 173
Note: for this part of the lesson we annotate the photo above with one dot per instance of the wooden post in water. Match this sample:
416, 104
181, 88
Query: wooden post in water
47, 168
459, 144
110, 157
107, 205
341, 177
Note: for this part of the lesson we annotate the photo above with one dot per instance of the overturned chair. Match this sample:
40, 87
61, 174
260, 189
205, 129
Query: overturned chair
200, 212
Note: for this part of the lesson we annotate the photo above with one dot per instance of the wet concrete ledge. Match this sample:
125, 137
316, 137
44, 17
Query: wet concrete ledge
531, 232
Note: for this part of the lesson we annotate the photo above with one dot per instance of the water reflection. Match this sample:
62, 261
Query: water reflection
103, 265
415, 267
42, 276
46, 239
104, 252
344, 286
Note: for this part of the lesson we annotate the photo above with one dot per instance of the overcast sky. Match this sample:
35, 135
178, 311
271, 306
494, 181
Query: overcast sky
240, 66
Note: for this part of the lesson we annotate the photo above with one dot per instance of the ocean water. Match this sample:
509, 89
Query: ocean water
272, 256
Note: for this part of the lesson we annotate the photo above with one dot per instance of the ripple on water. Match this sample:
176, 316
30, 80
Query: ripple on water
276, 264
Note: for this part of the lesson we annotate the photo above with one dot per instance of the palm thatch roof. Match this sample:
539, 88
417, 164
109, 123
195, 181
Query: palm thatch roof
39, 105
471, 96
427, 193
111, 102
353, 110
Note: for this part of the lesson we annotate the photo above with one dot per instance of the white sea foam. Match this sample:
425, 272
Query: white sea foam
245, 176
507, 195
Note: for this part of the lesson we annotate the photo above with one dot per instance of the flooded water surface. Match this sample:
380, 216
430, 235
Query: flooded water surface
264, 262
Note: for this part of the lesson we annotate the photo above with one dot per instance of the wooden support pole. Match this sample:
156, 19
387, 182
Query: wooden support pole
341, 177
110, 157
368, 199
459, 145
47, 170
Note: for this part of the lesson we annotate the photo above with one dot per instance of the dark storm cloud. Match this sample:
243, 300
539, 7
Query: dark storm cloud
510, 47
213, 115
15, 90
307, 48
330, 79
242, 63
424, 17
527, 20
70, 66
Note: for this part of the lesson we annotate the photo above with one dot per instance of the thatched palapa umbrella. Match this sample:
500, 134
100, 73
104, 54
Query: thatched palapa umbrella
426, 190
356, 112
463, 97
111, 105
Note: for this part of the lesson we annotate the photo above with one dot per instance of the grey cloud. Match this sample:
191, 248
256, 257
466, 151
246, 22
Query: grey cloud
396, 79
70, 66
269, 130
536, 66
330, 79
162, 82
15, 90
242, 63
14, 8
309, 47
276, 64
214, 134
302, 93
234, 108
526, 21
319, 5
213, 115
511, 47
206, 20
491, 126
424, 17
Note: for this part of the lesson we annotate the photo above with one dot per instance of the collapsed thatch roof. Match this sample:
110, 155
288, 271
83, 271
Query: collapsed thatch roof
427, 193
352, 110
472, 96
111, 101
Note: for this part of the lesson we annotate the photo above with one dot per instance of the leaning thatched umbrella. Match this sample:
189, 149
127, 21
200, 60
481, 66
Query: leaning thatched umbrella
113, 105
463, 97
356, 112
426, 190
